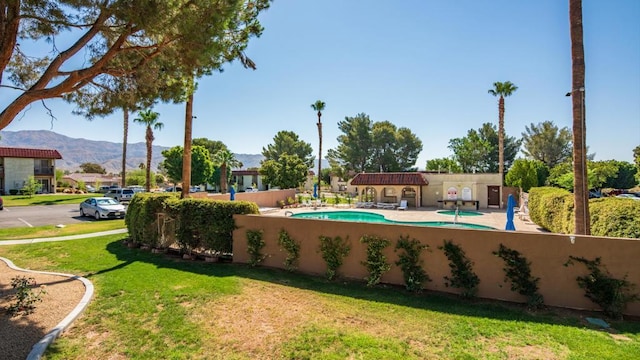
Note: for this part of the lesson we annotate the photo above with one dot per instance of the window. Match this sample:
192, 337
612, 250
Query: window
389, 191
408, 192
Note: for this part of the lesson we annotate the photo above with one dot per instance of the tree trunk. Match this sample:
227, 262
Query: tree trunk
149, 138
186, 156
501, 139
319, 152
580, 187
9, 26
125, 114
223, 178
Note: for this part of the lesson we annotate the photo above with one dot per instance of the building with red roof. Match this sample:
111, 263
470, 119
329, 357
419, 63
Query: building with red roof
18, 164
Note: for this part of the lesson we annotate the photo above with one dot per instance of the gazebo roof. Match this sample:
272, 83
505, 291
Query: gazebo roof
394, 178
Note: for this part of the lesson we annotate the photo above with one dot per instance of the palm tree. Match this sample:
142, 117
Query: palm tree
225, 159
186, 154
503, 90
319, 106
125, 112
150, 120
580, 190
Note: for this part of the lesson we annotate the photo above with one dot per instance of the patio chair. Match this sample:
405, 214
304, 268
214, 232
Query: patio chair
403, 205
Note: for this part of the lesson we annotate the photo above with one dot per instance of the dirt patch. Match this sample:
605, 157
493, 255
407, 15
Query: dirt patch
19, 334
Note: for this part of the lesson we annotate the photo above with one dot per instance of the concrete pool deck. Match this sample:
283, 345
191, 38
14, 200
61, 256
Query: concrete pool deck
495, 218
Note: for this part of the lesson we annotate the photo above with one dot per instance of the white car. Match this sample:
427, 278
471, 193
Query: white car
121, 195
102, 208
628, 196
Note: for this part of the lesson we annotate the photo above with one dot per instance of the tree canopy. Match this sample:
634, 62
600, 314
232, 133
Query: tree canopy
166, 41
478, 151
547, 143
92, 168
288, 142
202, 167
289, 171
444, 165
374, 146
526, 173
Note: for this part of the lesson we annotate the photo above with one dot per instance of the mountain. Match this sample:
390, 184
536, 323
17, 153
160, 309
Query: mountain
108, 154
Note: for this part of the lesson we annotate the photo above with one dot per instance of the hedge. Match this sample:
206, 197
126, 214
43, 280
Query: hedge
552, 209
142, 216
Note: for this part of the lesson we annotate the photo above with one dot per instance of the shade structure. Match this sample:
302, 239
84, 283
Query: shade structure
315, 191
232, 194
511, 203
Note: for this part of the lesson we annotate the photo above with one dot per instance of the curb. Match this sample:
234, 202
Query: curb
62, 238
39, 348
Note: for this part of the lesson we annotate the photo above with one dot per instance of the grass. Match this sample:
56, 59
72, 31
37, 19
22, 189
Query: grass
45, 199
51, 230
154, 306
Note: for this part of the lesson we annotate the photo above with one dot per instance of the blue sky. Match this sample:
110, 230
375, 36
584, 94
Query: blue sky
425, 65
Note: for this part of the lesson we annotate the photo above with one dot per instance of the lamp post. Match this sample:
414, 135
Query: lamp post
583, 158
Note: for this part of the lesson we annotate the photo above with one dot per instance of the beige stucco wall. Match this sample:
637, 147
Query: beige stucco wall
16, 172
547, 253
262, 198
439, 183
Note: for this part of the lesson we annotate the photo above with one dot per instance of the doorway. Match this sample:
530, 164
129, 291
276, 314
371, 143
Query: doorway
493, 196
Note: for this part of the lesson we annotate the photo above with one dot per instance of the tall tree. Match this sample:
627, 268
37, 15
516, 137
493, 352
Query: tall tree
186, 157
354, 144
319, 106
636, 160
501, 89
580, 192
288, 142
202, 168
119, 38
92, 168
149, 119
287, 173
212, 145
525, 174
478, 151
225, 160
374, 146
547, 143
444, 165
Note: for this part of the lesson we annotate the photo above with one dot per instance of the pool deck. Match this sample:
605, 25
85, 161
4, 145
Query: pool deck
495, 218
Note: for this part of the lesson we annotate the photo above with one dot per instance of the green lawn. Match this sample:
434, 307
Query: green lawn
155, 306
51, 230
44, 199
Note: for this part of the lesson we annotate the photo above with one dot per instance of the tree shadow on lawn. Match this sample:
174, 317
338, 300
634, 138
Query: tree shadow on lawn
384, 293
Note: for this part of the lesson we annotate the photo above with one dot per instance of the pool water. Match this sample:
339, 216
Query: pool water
460, 213
361, 216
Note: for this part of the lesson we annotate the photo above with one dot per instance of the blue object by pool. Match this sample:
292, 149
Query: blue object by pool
362, 216
511, 203
232, 194
460, 213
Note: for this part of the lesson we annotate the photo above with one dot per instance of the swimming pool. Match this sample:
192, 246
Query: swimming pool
362, 216
460, 212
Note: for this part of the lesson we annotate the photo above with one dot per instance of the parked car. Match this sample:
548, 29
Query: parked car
104, 189
628, 196
250, 189
121, 195
90, 188
102, 208
1, 204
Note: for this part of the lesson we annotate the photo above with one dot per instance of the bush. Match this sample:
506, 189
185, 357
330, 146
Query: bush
333, 250
462, 275
292, 247
615, 217
411, 264
376, 263
552, 209
518, 270
142, 217
255, 243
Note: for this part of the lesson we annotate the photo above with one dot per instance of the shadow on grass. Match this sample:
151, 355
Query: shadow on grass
390, 294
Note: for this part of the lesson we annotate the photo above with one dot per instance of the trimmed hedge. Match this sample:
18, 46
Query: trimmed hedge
615, 217
199, 223
552, 209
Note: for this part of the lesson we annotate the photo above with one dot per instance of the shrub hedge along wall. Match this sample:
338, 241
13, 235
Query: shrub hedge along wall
552, 209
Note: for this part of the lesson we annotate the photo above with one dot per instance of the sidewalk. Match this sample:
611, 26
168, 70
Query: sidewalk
62, 238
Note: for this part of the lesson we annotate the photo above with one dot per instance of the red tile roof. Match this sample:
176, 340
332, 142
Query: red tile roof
29, 153
399, 178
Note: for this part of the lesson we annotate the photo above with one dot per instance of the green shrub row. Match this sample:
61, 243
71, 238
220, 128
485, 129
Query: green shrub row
552, 209
194, 223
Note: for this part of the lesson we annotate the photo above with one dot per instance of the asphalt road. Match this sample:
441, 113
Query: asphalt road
39, 215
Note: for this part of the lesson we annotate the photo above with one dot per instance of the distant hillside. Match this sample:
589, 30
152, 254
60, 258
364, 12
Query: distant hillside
108, 154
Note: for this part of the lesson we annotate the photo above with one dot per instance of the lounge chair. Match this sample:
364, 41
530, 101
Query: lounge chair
403, 205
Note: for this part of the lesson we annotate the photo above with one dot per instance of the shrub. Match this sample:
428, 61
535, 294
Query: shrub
411, 264
518, 270
552, 209
462, 275
255, 243
376, 263
292, 248
333, 250
142, 218
611, 294
615, 217
25, 297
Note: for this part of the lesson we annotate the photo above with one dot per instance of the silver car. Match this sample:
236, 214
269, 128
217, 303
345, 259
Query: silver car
102, 208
